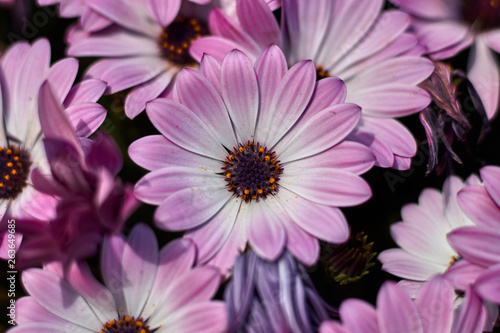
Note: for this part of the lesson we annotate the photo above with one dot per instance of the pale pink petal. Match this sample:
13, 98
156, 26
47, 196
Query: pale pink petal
381, 149
453, 50
241, 93
29, 311
180, 125
484, 74
85, 91
396, 312
191, 207
463, 273
71, 8
330, 326
196, 93
440, 35
137, 99
111, 269
289, 102
215, 46
140, 264
350, 156
471, 316
492, 39
329, 91
401, 163
265, 231
61, 77
435, 305
324, 222
431, 9
328, 186
259, 22
164, 12
212, 235
123, 73
86, 118
480, 245
57, 296
210, 68
320, 132
405, 265
91, 21
205, 317
358, 316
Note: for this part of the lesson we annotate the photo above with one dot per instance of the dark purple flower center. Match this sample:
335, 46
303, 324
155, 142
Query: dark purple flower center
252, 172
321, 73
485, 14
175, 39
126, 324
14, 170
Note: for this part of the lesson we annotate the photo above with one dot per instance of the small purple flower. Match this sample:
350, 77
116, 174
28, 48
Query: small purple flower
253, 154
448, 27
365, 47
145, 290
89, 201
274, 296
432, 312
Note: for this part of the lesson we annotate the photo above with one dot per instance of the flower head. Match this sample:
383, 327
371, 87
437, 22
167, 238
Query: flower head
145, 291
253, 154
368, 49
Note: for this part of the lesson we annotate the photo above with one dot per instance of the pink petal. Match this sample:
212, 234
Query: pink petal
215, 46
330, 326
463, 273
471, 316
258, 21
210, 68
477, 204
350, 156
320, 132
484, 74
212, 235
395, 310
492, 39
328, 186
431, 9
123, 73
196, 93
481, 245
205, 317
358, 316
91, 21
85, 91
488, 284
191, 207
491, 177
29, 311
164, 12
324, 222
111, 269
140, 264
181, 125
61, 77
241, 93
405, 265
435, 305
440, 35
329, 91
289, 102
86, 118
137, 99
57, 296
381, 149
265, 232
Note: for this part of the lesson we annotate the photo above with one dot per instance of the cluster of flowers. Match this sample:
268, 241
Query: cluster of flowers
265, 128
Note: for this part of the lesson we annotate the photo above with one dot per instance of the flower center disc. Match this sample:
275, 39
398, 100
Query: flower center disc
252, 172
175, 39
321, 73
126, 324
484, 13
14, 169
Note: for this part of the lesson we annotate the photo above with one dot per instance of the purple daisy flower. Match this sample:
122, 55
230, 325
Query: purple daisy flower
146, 290
90, 203
253, 154
144, 48
278, 296
90, 20
23, 68
433, 311
422, 236
368, 49
447, 27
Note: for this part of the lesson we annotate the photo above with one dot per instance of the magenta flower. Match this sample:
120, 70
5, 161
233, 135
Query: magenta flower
23, 68
422, 236
253, 154
368, 49
90, 20
144, 49
448, 27
90, 203
433, 311
145, 291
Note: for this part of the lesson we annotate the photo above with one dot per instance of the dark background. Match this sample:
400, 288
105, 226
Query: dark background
373, 217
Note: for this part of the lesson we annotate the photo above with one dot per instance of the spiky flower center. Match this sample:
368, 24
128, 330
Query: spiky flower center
321, 73
484, 14
252, 172
126, 324
176, 38
14, 170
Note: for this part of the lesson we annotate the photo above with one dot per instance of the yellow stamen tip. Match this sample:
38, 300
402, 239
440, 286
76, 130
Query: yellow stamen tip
228, 175
272, 180
247, 191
